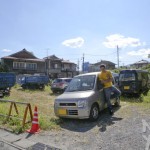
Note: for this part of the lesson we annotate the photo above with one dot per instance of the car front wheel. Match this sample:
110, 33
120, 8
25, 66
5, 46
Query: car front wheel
94, 113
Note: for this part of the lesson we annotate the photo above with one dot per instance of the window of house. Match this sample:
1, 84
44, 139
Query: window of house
31, 66
56, 66
19, 65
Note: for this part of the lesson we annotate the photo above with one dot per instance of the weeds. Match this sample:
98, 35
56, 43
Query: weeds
136, 99
44, 100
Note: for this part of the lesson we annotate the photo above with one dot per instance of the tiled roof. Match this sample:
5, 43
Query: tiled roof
53, 57
67, 61
25, 59
23, 54
104, 62
142, 62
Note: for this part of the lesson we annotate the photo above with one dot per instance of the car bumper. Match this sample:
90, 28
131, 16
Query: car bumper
56, 88
71, 112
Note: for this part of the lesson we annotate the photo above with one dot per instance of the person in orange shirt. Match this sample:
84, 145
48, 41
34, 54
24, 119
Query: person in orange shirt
106, 79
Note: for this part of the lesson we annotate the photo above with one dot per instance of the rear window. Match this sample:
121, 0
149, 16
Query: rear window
67, 80
127, 76
57, 80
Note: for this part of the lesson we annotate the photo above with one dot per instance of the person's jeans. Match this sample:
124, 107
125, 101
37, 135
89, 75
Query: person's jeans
108, 91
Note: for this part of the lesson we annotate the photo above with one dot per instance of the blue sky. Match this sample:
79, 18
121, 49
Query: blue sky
69, 28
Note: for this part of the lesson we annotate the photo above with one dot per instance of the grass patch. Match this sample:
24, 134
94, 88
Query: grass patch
43, 99
136, 99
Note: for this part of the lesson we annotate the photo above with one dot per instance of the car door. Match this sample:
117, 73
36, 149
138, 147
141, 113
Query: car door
100, 94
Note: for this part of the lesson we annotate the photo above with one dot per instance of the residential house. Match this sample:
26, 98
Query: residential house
68, 69
140, 64
24, 62
53, 66
57, 67
95, 67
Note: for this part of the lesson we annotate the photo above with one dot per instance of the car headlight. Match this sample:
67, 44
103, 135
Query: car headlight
82, 103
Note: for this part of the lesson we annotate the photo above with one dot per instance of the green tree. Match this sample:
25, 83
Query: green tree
3, 68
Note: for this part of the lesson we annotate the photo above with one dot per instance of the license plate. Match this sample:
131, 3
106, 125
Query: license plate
62, 112
126, 87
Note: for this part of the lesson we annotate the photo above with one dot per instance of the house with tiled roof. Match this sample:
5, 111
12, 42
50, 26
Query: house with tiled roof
24, 62
57, 67
140, 64
95, 67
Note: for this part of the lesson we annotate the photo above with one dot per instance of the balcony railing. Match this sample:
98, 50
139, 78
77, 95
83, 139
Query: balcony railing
68, 69
55, 70
24, 68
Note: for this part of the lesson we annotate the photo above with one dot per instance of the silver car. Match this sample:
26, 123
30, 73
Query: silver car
60, 84
83, 98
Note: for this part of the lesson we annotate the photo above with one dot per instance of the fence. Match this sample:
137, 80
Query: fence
14, 104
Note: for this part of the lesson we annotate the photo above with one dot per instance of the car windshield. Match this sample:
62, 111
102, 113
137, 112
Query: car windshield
81, 83
127, 76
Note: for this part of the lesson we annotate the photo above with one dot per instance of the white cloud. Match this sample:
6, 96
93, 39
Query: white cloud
117, 39
74, 43
6, 50
142, 52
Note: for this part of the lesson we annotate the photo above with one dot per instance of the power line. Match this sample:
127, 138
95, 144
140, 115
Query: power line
101, 55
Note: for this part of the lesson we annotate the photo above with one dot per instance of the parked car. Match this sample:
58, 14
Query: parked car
60, 84
116, 79
34, 82
7, 80
83, 98
134, 82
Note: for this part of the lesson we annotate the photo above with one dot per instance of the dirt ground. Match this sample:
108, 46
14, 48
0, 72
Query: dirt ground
122, 131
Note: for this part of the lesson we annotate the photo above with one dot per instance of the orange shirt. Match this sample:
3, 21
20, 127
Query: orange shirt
105, 76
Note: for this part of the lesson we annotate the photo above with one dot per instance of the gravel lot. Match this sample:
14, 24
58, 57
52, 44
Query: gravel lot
122, 131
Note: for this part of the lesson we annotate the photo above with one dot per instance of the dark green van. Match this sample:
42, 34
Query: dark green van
134, 82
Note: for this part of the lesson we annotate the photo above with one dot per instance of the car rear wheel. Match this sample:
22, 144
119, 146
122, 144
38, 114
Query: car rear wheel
94, 113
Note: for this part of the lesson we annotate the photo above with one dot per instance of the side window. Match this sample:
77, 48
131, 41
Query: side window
144, 79
139, 76
99, 84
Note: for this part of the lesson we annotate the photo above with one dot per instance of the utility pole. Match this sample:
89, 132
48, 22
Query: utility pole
83, 63
118, 55
47, 63
78, 65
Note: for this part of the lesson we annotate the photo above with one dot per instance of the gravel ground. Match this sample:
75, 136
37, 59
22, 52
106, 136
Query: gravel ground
122, 131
